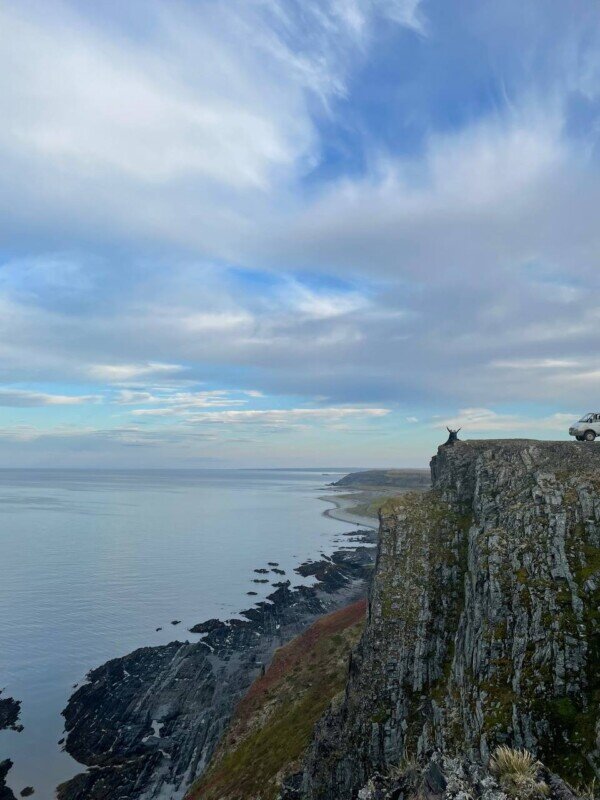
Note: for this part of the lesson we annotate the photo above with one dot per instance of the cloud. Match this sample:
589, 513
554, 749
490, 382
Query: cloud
337, 203
536, 364
286, 417
498, 195
323, 305
128, 397
178, 133
173, 402
485, 420
24, 398
118, 373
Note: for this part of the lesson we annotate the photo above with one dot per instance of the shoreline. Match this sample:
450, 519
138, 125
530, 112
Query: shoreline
163, 709
208, 570
341, 513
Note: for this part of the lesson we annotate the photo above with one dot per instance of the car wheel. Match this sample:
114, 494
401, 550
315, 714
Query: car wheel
589, 436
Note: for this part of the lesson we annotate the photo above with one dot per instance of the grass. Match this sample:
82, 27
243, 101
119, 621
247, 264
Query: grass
273, 724
590, 791
516, 772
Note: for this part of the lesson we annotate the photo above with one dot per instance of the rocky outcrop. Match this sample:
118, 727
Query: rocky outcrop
483, 623
9, 713
146, 724
9, 718
5, 792
444, 778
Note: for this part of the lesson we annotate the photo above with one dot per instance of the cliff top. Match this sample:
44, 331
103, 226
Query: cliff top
454, 465
548, 445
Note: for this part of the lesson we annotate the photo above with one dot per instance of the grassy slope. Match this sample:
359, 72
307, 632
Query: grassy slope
273, 724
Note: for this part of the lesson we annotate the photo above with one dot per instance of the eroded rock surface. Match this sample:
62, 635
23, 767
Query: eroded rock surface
444, 778
483, 623
146, 724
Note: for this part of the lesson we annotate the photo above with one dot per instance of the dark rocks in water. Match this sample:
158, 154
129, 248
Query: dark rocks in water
5, 792
280, 584
189, 690
61, 741
273, 563
331, 573
9, 713
259, 580
175, 622
236, 623
261, 571
207, 626
362, 535
158, 629
252, 593
27, 791
278, 571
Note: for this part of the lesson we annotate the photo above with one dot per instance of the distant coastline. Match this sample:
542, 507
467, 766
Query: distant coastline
357, 497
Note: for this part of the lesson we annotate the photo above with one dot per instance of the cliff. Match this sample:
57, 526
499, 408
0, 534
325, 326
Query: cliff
482, 629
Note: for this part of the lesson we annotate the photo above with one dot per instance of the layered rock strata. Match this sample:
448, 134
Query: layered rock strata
483, 622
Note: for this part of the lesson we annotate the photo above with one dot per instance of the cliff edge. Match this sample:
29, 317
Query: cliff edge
483, 629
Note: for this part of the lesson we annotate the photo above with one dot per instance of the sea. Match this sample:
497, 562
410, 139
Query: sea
92, 562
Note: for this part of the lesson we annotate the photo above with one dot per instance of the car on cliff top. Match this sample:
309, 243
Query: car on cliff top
587, 428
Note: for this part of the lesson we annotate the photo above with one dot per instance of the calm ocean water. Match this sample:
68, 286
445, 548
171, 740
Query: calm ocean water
92, 562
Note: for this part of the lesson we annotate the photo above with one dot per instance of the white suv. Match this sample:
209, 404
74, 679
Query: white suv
587, 428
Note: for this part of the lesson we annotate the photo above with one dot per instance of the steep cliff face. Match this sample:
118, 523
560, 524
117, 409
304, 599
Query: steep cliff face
483, 621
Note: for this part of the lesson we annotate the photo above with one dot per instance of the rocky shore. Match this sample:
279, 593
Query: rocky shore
146, 724
9, 713
9, 718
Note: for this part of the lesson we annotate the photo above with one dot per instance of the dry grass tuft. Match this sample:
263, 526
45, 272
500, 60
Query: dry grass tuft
516, 772
506, 760
590, 791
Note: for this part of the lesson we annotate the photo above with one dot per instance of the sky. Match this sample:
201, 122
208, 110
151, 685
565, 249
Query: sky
295, 232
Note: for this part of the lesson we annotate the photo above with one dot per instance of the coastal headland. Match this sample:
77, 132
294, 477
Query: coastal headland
481, 630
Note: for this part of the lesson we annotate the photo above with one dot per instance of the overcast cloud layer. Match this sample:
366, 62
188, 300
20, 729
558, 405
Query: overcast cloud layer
305, 233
